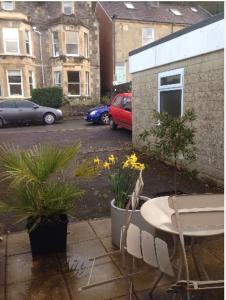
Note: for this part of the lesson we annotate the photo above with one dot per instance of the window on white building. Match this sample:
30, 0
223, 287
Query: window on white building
68, 7
170, 92
57, 78
87, 91
11, 40
15, 83
147, 36
28, 42
7, 5
31, 81
86, 44
73, 83
120, 73
72, 44
55, 39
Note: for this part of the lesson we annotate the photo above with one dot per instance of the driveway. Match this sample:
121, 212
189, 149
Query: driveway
104, 141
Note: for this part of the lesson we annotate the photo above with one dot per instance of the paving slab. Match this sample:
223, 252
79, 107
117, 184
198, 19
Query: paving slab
2, 292
2, 270
79, 232
100, 272
102, 227
18, 243
23, 268
45, 288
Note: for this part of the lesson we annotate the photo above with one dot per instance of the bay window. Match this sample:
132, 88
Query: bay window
31, 81
68, 7
55, 39
57, 78
11, 40
15, 83
72, 44
87, 92
73, 83
28, 42
7, 5
86, 44
170, 92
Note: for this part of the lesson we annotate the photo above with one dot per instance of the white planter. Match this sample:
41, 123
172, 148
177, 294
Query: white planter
118, 219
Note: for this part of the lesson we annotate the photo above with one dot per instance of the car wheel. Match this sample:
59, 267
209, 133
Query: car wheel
104, 118
1, 123
49, 119
112, 124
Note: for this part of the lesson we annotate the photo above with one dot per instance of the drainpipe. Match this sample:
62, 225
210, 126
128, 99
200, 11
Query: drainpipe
41, 55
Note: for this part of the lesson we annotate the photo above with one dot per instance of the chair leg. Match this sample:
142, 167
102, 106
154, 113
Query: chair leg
155, 285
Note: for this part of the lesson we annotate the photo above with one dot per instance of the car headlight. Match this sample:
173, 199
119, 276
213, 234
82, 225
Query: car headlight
59, 111
93, 113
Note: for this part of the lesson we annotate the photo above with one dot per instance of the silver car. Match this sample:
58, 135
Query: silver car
24, 111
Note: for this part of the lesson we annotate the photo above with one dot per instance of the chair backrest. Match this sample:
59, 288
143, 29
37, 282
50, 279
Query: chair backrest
155, 253
133, 245
202, 212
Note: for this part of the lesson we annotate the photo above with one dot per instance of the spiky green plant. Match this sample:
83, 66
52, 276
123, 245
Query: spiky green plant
36, 178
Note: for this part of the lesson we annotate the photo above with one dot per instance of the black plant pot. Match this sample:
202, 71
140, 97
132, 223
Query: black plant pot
49, 236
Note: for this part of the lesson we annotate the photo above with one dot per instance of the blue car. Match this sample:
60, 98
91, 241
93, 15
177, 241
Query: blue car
97, 115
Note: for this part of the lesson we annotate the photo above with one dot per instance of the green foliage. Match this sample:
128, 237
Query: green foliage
50, 96
105, 100
36, 178
174, 138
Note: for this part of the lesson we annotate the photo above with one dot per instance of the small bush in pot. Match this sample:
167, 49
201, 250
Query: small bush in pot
41, 192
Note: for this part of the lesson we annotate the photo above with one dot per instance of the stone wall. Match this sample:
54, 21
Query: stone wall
204, 92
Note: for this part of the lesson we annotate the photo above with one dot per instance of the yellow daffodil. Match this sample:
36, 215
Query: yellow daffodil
96, 161
133, 158
106, 165
125, 164
112, 159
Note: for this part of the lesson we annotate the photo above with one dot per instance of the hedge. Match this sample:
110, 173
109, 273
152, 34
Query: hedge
50, 96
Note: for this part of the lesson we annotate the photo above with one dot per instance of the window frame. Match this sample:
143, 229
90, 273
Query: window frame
172, 87
33, 81
8, 83
28, 42
72, 8
153, 35
68, 54
5, 39
53, 44
86, 45
54, 78
87, 84
123, 67
74, 95
2, 6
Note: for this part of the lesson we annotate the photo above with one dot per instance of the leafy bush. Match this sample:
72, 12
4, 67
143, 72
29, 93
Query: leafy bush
50, 96
105, 100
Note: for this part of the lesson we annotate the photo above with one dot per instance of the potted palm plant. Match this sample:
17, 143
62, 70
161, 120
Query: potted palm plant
41, 192
122, 178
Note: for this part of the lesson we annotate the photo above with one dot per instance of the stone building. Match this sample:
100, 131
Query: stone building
125, 26
182, 71
49, 44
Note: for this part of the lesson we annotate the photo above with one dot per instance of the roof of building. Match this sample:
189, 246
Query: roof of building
147, 12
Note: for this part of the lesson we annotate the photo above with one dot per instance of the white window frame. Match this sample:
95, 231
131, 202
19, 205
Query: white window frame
71, 6
86, 46
153, 35
75, 95
33, 80
87, 83
54, 77
5, 39
4, 8
68, 54
22, 90
123, 66
29, 42
53, 44
172, 87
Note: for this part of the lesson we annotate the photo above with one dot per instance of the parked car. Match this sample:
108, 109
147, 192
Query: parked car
24, 111
97, 115
120, 111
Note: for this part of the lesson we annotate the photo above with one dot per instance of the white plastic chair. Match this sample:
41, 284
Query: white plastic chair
205, 214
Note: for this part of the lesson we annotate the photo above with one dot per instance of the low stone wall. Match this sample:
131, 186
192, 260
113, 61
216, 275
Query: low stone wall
204, 92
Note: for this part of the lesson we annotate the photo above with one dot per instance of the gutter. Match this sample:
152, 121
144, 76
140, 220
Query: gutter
41, 55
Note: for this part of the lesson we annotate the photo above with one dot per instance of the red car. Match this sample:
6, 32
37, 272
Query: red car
120, 111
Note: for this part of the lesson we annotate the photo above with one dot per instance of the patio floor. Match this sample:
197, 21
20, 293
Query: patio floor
57, 277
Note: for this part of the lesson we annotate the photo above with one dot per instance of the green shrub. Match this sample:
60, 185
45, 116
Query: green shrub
50, 96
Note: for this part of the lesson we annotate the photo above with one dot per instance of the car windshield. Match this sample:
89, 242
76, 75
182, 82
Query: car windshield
25, 103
